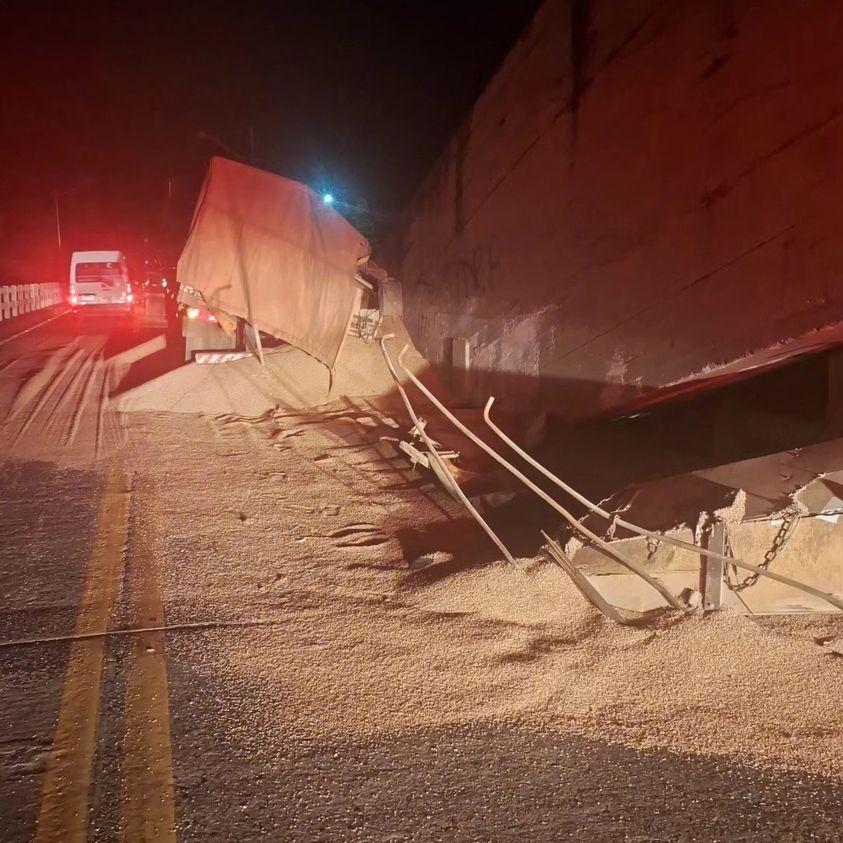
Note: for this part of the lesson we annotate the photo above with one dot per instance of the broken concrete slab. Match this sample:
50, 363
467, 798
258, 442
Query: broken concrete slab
769, 485
750, 496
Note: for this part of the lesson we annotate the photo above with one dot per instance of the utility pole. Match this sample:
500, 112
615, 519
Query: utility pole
58, 218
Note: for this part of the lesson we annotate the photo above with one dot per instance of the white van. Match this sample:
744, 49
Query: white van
98, 279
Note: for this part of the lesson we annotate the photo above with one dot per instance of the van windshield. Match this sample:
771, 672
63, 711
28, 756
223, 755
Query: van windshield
105, 273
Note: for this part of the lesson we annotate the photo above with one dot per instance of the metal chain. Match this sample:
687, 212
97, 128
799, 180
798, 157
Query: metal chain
790, 518
653, 544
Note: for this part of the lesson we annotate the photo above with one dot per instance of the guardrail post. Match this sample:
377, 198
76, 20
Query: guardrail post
711, 569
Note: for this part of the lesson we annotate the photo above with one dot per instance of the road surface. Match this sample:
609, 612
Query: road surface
215, 629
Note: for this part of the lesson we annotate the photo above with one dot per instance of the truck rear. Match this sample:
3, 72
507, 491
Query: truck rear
266, 256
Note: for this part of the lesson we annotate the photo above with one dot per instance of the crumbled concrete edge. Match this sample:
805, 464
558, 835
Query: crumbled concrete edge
770, 354
732, 513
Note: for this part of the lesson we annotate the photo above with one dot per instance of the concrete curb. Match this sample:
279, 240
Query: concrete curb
5, 340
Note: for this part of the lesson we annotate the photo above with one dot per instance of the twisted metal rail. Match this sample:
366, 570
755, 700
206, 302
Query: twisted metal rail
828, 597
438, 461
593, 537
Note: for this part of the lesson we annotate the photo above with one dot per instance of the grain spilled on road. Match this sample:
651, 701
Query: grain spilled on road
365, 647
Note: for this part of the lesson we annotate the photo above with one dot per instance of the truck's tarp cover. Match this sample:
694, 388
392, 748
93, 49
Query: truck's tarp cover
267, 249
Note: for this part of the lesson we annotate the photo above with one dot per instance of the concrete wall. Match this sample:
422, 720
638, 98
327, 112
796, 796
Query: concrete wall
647, 193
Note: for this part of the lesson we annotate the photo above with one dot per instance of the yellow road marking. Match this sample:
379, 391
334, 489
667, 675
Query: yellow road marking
147, 802
63, 812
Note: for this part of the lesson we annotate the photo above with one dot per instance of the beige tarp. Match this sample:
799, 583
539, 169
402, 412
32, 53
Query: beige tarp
267, 249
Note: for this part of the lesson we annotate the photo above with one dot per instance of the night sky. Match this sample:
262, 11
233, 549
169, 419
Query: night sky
117, 107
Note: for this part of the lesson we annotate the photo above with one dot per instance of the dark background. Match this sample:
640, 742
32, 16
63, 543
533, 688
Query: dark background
116, 108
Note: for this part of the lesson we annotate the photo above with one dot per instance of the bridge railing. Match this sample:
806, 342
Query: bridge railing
18, 299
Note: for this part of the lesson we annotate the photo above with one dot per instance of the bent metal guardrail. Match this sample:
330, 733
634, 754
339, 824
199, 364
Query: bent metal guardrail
579, 527
18, 299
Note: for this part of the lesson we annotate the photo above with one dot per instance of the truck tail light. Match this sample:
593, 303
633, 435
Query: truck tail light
201, 315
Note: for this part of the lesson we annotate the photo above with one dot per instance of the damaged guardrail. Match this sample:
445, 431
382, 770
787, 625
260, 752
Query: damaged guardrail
833, 599
593, 537
554, 550
437, 460
581, 581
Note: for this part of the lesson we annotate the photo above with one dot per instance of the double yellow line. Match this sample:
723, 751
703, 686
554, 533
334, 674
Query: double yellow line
147, 811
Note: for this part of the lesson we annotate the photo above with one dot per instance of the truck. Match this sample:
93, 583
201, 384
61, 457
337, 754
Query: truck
266, 257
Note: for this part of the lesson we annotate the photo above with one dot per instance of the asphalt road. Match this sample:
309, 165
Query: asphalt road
261, 678
64, 545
